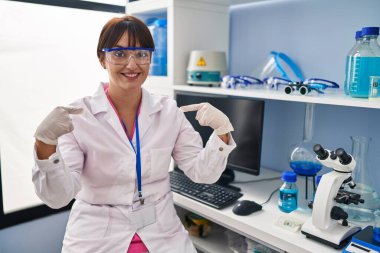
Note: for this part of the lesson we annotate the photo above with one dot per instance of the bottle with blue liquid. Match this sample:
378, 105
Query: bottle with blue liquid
158, 29
365, 63
288, 196
348, 70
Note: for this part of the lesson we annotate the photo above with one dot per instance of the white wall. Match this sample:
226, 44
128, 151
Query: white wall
47, 58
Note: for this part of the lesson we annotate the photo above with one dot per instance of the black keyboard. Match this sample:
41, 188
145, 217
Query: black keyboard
210, 194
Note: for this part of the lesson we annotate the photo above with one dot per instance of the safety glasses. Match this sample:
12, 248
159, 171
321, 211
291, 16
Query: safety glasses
233, 82
303, 87
122, 55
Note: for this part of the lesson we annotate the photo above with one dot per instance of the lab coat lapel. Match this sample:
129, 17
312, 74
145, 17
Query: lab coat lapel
100, 104
149, 106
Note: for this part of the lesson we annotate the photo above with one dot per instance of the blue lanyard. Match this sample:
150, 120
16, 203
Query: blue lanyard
138, 157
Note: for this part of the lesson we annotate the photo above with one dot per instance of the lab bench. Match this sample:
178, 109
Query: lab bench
259, 226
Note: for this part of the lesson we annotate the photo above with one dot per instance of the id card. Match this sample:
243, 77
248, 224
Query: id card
143, 216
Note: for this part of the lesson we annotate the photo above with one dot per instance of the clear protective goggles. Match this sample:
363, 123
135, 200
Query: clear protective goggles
241, 81
122, 55
302, 87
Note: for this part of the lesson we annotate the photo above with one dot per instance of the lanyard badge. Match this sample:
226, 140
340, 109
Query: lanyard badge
138, 156
137, 149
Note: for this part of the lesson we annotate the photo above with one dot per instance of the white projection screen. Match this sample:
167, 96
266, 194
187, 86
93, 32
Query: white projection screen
47, 58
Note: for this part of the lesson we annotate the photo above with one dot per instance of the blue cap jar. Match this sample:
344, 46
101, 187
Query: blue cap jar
289, 176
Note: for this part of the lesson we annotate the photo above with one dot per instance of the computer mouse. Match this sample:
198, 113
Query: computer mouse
246, 207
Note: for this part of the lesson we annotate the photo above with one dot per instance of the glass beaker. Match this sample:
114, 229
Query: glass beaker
363, 180
302, 158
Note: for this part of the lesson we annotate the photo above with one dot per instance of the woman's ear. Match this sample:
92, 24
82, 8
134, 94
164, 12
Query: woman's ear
102, 62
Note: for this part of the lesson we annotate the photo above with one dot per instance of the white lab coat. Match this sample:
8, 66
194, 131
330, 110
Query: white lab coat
95, 164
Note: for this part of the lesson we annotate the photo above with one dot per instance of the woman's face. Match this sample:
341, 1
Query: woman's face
128, 76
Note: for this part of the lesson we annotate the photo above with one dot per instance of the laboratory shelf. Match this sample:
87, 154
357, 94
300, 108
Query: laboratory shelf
216, 241
147, 6
337, 98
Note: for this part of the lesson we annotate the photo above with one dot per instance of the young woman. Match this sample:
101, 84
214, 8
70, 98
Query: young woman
112, 151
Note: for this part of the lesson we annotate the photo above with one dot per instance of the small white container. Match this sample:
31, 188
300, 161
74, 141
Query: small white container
206, 67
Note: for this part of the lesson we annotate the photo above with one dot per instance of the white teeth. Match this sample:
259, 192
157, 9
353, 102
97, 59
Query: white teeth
131, 75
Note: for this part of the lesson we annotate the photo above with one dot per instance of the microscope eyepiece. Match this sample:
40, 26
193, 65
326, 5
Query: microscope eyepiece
321, 152
344, 158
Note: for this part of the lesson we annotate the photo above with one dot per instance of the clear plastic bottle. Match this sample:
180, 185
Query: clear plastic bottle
159, 63
348, 71
365, 63
288, 196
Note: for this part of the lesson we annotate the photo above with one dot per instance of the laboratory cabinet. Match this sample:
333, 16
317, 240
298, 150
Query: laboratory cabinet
191, 25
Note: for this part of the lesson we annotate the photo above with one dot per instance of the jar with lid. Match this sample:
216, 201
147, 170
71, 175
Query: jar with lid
288, 196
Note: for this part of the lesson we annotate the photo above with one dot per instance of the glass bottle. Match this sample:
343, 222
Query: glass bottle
365, 63
302, 158
288, 196
358, 36
363, 180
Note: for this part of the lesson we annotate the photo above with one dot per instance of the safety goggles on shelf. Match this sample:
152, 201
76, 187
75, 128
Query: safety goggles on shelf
241, 81
303, 87
122, 55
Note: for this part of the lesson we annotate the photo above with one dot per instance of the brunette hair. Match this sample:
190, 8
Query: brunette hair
113, 30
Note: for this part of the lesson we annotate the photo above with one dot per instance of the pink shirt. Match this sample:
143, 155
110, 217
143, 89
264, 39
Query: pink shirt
137, 246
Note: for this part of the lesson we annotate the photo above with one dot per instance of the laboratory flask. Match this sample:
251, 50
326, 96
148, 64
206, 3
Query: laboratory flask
365, 63
302, 158
364, 184
358, 38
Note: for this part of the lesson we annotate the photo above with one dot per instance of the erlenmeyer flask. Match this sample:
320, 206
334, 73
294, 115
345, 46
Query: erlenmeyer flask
363, 180
302, 158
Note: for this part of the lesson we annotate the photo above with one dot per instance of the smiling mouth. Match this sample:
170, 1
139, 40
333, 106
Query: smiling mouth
131, 76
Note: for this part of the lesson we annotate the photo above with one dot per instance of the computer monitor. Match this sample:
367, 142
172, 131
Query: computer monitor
246, 116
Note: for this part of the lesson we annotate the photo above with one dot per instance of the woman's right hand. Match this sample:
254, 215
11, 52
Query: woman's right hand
56, 124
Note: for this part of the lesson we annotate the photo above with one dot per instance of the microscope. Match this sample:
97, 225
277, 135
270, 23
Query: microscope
328, 223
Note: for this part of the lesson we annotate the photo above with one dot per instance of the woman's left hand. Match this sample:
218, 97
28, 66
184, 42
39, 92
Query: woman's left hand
208, 115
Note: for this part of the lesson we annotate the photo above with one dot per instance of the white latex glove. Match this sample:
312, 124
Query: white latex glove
208, 115
57, 123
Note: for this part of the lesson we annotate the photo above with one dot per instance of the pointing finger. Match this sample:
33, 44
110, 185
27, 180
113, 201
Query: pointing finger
72, 110
191, 108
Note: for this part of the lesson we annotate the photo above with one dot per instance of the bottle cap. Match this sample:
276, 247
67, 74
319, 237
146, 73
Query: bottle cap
358, 34
161, 22
150, 21
370, 31
289, 176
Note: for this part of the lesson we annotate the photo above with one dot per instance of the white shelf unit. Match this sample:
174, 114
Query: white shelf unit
337, 98
216, 241
192, 25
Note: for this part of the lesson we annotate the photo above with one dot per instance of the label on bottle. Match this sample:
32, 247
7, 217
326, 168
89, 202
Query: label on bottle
362, 69
288, 200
